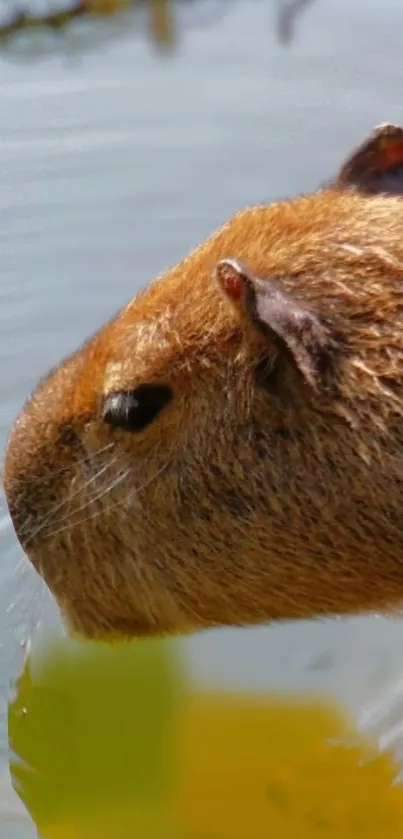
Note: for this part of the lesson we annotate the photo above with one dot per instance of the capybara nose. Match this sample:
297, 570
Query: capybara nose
39, 458
43, 447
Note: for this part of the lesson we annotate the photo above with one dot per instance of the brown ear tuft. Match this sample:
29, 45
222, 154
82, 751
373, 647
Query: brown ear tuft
377, 164
292, 331
231, 276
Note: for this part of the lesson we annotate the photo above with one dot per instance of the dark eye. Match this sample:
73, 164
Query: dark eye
133, 410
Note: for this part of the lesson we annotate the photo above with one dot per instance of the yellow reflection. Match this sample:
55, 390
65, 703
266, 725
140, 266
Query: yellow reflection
114, 744
254, 768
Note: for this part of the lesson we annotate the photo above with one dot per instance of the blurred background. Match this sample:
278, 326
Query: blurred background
129, 131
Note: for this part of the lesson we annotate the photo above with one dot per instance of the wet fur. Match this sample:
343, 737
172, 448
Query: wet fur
253, 496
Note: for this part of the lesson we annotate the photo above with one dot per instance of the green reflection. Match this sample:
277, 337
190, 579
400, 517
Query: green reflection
95, 728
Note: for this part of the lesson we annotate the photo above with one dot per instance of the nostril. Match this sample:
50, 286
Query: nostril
68, 436
38, 468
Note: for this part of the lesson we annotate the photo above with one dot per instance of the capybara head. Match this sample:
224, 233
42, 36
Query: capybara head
229, 449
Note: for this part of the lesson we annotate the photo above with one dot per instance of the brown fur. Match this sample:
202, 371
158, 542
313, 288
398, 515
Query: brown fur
256, 494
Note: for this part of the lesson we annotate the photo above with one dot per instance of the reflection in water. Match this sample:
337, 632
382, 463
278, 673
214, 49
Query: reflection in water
116, 742
93, 733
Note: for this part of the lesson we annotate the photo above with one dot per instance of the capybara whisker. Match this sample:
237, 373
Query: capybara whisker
66, 503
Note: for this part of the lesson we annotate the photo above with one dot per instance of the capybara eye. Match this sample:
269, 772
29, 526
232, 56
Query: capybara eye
133, 410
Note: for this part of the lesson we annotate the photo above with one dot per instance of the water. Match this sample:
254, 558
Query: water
114, 165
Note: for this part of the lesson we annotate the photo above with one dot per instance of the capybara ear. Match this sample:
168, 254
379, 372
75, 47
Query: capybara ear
376, 166
296, 333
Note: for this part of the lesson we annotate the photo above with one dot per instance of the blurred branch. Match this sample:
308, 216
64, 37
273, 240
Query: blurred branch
22, 21
287, 13
160, 17
161, 20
